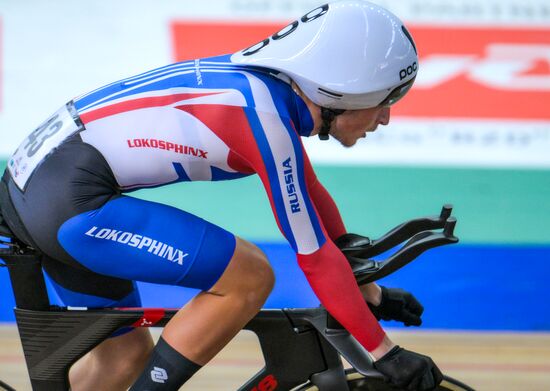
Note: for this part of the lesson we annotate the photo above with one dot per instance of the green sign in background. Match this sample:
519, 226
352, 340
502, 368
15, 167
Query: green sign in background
492, 205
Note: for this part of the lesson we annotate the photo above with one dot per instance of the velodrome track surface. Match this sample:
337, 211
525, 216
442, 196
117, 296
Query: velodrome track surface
485, 361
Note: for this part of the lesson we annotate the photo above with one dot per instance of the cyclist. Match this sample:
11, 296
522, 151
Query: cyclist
336, 71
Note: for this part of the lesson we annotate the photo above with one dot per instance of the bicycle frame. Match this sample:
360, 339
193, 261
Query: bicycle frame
298, 345
290, 341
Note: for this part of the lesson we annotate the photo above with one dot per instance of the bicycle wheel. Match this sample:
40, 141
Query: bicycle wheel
358, 382
5, 387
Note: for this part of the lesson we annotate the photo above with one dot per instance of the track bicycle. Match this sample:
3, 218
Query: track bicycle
302, 348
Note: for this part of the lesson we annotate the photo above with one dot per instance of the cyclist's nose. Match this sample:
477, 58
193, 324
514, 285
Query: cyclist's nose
384, 116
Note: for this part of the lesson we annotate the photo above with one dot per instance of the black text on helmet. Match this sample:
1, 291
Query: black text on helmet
403, 73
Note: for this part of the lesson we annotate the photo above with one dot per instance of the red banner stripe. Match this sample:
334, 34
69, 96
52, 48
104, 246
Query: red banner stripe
469, 92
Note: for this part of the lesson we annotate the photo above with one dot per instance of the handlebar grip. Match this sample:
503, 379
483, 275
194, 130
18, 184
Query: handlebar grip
368, 270
449, 228
405, 231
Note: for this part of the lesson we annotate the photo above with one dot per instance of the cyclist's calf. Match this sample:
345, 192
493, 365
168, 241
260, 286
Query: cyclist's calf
114, 364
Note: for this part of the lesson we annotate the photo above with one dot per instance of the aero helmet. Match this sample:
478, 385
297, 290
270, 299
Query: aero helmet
344, 55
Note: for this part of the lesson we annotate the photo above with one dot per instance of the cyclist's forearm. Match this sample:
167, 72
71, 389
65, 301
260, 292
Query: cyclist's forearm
332, 280
328, 210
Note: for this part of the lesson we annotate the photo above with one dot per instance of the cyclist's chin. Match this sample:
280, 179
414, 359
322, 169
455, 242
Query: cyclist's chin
347, 142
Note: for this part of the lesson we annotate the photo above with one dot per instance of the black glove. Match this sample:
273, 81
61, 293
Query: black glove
398, 304
409, 370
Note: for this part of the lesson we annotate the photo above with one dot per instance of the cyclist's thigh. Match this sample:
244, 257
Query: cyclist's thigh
141, 240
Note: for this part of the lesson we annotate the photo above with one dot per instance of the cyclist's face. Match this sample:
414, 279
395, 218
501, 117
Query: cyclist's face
352, 125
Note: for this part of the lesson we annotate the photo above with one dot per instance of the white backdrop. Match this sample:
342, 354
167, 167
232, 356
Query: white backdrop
51, 51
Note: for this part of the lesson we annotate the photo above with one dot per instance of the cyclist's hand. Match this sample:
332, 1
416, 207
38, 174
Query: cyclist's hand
398, 304
409, 370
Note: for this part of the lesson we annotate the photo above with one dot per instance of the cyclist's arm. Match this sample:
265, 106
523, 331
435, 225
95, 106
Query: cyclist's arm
332, 220
332, 280
325, 205
280, 166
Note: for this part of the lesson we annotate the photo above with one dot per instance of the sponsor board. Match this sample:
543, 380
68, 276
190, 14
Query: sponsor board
195, 39
480, 62
481, 97
465, 72
445, 12
444, 143
472, 72
473, 12
1, 66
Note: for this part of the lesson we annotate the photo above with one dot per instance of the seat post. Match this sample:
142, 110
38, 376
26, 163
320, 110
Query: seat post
24, 264
27, 280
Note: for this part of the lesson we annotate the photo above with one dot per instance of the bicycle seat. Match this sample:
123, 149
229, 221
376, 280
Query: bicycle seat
4, 229
10, 244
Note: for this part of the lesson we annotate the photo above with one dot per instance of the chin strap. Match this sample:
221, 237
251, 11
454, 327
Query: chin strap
328, 116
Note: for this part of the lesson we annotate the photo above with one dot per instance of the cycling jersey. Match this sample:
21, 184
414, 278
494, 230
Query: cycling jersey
207, 120
202, 120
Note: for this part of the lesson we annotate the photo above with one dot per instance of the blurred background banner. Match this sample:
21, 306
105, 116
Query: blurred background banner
481, 98
474, 131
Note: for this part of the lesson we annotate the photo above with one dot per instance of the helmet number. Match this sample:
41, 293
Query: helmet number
316, 13
255, 48
287, 30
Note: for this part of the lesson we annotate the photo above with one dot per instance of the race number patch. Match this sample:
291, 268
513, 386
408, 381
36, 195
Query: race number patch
44, 140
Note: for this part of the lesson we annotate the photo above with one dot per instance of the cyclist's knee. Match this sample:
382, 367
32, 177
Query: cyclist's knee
257, 269
248, 274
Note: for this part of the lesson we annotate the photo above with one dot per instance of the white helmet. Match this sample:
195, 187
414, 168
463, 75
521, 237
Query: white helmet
345, 55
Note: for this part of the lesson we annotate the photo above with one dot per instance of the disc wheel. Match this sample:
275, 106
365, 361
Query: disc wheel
5, 387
